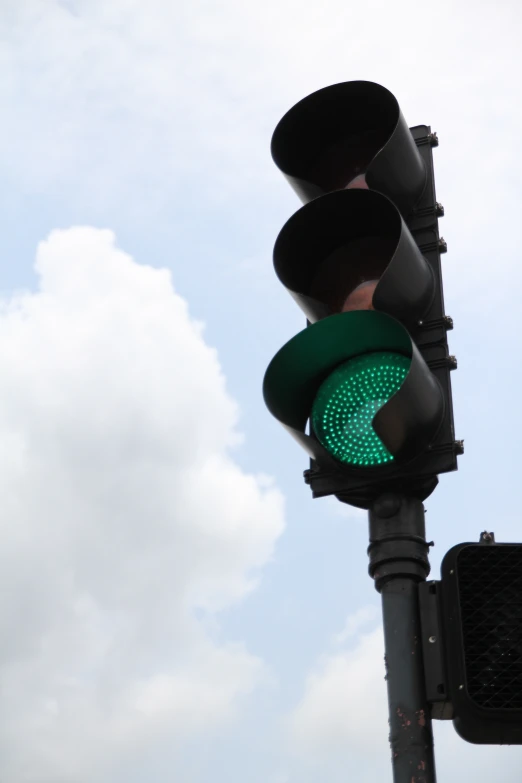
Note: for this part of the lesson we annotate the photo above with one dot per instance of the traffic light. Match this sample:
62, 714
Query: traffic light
481, 603
365, 388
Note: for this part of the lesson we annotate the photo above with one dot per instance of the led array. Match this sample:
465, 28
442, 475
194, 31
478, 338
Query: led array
347, 402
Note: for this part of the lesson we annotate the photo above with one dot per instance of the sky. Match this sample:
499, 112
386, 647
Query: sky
175, 607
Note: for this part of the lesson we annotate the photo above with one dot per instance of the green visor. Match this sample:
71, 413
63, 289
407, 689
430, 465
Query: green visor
362, 383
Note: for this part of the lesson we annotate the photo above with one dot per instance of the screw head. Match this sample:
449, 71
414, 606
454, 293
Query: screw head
432, 639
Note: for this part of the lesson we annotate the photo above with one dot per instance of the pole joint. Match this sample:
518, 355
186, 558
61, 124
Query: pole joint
398, 546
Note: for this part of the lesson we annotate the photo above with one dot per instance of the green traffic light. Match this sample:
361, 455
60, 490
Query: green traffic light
346, 404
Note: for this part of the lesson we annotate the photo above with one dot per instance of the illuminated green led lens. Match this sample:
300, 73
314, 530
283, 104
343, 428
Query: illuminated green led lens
347, 402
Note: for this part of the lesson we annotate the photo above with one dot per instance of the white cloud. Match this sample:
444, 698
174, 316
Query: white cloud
364, 616
344, 702
123, 512
150, 90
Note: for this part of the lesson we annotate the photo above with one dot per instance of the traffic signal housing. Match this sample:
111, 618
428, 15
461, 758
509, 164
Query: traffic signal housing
482, 617
472, 641
365, 388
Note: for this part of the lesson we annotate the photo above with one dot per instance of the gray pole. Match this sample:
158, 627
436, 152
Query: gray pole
398, 562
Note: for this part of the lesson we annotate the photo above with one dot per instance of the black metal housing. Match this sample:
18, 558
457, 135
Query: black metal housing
341, 239
482, 618
326, 143
418, 478
341, 131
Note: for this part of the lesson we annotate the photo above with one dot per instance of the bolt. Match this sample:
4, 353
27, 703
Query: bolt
420, 323
459, 447
432, 639
443, 245
439, 209
448, 322
452, 362
461, 687
433, 139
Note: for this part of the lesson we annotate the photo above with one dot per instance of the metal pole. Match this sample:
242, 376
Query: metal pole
398, 562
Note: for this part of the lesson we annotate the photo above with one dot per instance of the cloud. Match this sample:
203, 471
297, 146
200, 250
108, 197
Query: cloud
344, 701
125, 517
364, 616
152, 91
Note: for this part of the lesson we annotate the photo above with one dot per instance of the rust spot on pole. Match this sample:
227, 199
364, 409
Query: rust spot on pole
405, 722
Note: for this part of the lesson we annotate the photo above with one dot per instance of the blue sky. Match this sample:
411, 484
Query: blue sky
176, 606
